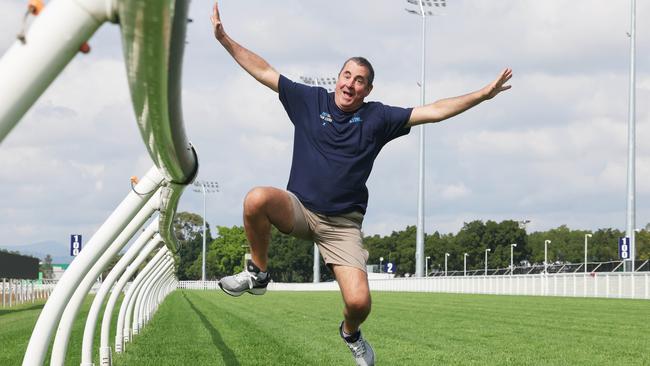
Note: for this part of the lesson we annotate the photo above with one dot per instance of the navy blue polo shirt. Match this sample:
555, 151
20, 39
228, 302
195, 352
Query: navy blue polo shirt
333, 150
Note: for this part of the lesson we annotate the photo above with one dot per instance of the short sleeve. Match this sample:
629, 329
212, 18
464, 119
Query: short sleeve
395, 122
294, 98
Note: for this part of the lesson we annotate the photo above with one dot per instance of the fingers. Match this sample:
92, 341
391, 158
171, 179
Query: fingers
215, 13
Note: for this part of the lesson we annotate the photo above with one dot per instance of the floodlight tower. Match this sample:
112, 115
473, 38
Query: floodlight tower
419, 241
631, 144
329, 83
204, 187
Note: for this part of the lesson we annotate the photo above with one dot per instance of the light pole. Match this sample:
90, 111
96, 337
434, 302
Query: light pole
204, 186
631, 143
546, 243
586, 237
512, 265
419, 241
465, 264
426, 266
486, 252
446, 255
381, 267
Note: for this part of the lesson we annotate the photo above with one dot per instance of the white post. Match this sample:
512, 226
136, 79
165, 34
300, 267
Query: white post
465, 264
74, 304
93, 313
316, 264
144, 293
512, 265
486, 261
203, 260
124, 316
631, 143
72, 277
586, 237
112, 300
426, 266
446, 256
546, 243
143, 290
52, 41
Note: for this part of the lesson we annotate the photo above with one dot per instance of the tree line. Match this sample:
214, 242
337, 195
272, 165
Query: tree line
291, 259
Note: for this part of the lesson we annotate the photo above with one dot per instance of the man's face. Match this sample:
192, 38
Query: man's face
352, 87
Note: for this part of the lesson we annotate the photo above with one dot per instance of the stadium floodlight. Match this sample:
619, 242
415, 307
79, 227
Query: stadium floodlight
631, 143
587, 236
329, 83
486, 262
522, 224
546, 243
426, 266
512, 265
419, 241
205, 187
465, 264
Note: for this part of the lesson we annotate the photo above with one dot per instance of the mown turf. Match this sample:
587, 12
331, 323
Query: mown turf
210, 328
17, 324
289, 328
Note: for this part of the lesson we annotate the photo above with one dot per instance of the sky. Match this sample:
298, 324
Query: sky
552, 150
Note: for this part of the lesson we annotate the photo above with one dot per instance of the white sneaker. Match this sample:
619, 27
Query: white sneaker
361, 350
244, 282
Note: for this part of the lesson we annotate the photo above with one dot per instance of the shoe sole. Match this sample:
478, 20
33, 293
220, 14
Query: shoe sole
254, 291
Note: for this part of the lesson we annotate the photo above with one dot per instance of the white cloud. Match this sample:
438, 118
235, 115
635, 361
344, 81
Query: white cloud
553, 149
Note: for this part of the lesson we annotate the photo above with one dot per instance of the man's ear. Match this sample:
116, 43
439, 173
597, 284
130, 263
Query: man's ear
369, 90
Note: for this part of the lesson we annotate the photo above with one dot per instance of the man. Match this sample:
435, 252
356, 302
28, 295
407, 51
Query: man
337, 137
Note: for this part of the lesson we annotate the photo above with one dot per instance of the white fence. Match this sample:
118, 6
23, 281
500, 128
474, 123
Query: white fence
607, 285
16, 292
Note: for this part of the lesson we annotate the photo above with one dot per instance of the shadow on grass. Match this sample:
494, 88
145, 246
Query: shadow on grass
228, 355
14, 311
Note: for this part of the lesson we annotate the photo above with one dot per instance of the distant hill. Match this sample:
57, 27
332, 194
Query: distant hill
60, 252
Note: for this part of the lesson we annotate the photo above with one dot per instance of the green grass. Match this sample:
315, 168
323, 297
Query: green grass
17, 323
289, 328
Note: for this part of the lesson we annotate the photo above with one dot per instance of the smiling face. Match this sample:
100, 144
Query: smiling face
352, 86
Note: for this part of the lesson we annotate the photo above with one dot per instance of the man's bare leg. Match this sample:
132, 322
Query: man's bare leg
356, 296
263, 207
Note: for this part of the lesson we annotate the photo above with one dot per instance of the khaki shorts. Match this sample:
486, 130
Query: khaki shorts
339, 238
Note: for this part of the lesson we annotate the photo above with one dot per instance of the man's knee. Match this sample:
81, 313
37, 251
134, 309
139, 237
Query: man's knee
358, 306
256, 200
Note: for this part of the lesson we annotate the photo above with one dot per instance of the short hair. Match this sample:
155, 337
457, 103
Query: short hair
361, 61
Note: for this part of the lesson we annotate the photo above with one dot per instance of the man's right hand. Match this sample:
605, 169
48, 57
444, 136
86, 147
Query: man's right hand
217, 26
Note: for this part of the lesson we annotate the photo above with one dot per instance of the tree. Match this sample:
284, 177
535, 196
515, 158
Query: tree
188, 228
226, 252
46, 267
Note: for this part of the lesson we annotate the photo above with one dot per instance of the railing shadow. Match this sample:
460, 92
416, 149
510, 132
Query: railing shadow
13, 311
228, 355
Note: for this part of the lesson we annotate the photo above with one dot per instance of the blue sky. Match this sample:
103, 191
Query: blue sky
552, 150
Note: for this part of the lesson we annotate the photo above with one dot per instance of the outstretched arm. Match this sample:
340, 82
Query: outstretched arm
446, 108
249, 61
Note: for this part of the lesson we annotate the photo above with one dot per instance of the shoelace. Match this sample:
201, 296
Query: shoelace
358, 348
247, 276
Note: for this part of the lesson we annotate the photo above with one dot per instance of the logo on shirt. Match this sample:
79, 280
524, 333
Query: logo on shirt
355, 119
326, 117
